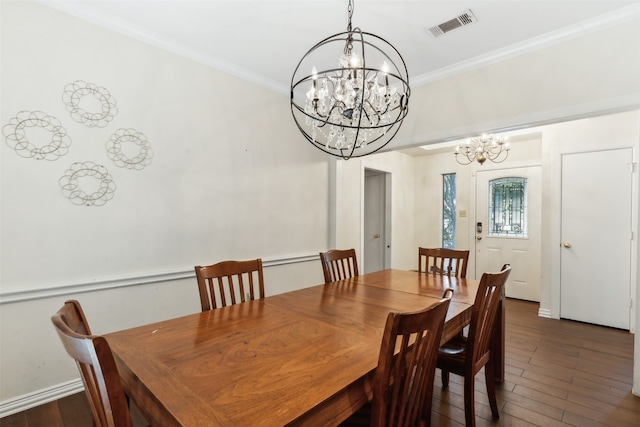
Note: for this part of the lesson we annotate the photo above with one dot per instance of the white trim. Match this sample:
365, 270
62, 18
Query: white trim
40, 397
17, 295
616, 17
563, 114
544, 312
85, 12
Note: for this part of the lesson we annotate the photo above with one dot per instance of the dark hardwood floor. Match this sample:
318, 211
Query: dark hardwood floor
558, 373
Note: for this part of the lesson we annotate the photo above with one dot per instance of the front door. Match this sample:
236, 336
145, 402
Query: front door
595, 260
508, 212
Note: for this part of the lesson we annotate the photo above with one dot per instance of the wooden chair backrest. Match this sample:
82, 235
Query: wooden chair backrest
229, 282
339, 264
403, 382
451, 262
97, 367
483, 318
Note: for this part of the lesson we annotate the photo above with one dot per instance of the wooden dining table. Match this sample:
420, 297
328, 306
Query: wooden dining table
305, 357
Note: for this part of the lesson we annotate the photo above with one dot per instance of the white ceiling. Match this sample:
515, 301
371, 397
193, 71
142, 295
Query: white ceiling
262, 41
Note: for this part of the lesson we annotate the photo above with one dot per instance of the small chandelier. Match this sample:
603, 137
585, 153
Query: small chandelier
481, 148
354, 105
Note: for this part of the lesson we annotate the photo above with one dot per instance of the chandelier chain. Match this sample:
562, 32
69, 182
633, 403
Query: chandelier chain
349, 14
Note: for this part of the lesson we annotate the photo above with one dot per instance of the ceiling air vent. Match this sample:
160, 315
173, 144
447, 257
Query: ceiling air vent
465, 18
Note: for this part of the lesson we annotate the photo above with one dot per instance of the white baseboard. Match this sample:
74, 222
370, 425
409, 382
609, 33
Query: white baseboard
544, 312
40, 397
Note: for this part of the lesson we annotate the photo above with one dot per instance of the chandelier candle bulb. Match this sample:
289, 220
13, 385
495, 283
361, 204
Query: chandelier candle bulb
314, 74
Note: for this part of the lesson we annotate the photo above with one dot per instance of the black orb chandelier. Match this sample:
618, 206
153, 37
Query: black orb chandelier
354, 104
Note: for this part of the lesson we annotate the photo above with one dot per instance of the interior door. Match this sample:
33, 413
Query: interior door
595, 260
374, 221
504, 237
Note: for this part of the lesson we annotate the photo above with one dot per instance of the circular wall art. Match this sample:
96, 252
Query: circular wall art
73, 94
129, 137
71, 184
15, 133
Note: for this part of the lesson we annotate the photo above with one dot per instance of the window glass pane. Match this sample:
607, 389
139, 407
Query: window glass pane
449, 210
508, 207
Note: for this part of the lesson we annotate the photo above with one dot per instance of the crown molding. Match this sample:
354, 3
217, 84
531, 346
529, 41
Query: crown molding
81, 10
617, 17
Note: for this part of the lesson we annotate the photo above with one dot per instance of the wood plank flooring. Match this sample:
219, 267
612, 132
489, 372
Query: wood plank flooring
558, 373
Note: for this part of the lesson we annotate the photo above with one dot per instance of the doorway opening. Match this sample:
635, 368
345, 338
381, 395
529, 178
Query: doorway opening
377, 221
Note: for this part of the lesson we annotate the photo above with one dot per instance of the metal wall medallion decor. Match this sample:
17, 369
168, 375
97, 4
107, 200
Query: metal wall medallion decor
71, 184
76, 91
129, 137
15, 134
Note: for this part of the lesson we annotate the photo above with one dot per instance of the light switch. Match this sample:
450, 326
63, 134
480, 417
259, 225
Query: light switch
462, 213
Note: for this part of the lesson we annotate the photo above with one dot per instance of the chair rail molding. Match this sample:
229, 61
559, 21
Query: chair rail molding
17, 295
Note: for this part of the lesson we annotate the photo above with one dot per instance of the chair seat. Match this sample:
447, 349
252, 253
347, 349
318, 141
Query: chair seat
454, 348
466, 356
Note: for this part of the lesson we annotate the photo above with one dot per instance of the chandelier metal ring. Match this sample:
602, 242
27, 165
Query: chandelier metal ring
356, 107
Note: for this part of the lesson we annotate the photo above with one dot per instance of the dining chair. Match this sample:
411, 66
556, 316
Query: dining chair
451, 262
92, 354
465, 356
229, 282
339, 264
403, 380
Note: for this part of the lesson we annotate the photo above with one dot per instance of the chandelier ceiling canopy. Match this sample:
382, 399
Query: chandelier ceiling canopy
350, 93
483, 148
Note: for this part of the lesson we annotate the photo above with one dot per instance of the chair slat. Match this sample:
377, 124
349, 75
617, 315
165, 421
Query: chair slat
245, 277
450, 262
339, 264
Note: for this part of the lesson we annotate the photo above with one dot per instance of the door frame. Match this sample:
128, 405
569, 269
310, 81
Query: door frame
563, 253
386, 232
556, 235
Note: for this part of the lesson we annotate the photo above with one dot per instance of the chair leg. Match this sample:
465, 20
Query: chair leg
490, 379
445, 379
469, 401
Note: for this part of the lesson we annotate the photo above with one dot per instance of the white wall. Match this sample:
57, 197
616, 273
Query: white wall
579, 77
349, 205
231, 178
543, 145
525, 151
598, 133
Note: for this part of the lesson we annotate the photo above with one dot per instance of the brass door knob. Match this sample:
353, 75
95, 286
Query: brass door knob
566, 245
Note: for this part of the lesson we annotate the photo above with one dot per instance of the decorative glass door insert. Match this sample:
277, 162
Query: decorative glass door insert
508, 207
